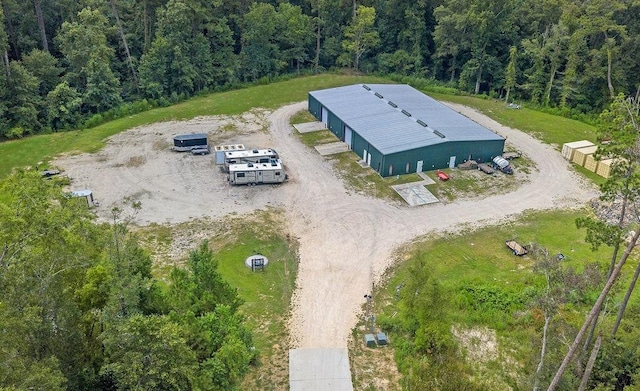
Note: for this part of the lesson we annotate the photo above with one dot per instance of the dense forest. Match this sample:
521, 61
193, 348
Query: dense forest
81, 310
68, 63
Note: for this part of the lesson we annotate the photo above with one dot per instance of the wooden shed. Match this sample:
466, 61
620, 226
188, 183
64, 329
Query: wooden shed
580, 154
569, 148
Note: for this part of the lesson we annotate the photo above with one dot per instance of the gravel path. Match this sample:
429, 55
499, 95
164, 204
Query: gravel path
346, 240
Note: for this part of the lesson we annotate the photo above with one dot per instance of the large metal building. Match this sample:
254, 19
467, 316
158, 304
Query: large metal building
396, 129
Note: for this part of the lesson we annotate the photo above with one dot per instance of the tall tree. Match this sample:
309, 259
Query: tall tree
123, 38
40, 19
47, 242
148, 353
620, 125
295, 36
4, 44
260, 53
482, 30
206, 306
89, 57
510, 74
23, 102
329, 18
360, 36
179, 61
45, 67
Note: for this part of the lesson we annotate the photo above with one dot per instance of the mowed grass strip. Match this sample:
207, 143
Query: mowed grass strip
29, 151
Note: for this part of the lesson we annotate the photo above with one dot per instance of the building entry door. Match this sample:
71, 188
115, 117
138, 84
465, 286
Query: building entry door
419, 166
325, 115
452, 162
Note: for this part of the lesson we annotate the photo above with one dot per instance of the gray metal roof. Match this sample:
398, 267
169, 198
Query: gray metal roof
371, 113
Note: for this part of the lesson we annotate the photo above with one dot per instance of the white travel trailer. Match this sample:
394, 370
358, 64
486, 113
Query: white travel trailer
250, 156
255, 173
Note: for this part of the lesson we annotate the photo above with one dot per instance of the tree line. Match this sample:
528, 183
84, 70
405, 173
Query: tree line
81, 310
70, 63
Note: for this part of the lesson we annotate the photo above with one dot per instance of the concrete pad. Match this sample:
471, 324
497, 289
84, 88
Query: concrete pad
415, 193
310, 127
332, 148
426, 179
319, 369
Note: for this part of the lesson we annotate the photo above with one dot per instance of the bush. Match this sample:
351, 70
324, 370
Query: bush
15, 132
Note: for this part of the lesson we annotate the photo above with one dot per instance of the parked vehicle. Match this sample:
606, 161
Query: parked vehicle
250, 156
255, 173
190, 142
502, 164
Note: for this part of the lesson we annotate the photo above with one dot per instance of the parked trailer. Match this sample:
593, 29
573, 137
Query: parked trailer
190, 142
487, 169
255, 173
250, 156
516, 248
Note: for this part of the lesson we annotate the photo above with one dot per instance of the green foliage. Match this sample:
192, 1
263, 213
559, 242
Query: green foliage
426, 351
148, 353
260, 53
48, 242
200, 288
179, 60
19, 94
205, 305
88, 55
360, 36
617, 365
64, 105
81, 310
483, 285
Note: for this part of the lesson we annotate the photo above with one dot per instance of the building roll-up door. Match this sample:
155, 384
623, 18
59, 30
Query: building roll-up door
348, 135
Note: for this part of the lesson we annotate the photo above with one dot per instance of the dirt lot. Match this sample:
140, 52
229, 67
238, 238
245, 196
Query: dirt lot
346, 240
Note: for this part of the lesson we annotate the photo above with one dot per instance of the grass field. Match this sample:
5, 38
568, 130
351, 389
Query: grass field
549, 128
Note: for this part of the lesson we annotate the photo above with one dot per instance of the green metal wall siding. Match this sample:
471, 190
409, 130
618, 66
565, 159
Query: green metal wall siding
437, 156
314, 107
360, 145
336, 125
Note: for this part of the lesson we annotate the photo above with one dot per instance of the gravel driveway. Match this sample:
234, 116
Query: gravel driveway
346, 240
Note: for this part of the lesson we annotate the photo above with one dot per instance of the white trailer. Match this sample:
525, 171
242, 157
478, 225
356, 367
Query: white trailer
250, 156
255, 173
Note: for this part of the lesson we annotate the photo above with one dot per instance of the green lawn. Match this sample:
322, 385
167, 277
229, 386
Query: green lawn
549, 128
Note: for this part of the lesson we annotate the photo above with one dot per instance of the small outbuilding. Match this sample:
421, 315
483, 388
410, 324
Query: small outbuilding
397, 129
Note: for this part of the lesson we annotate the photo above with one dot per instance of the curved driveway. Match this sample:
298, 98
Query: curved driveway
347, 240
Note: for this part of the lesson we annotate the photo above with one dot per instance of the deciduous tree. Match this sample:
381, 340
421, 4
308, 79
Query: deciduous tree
360, 36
